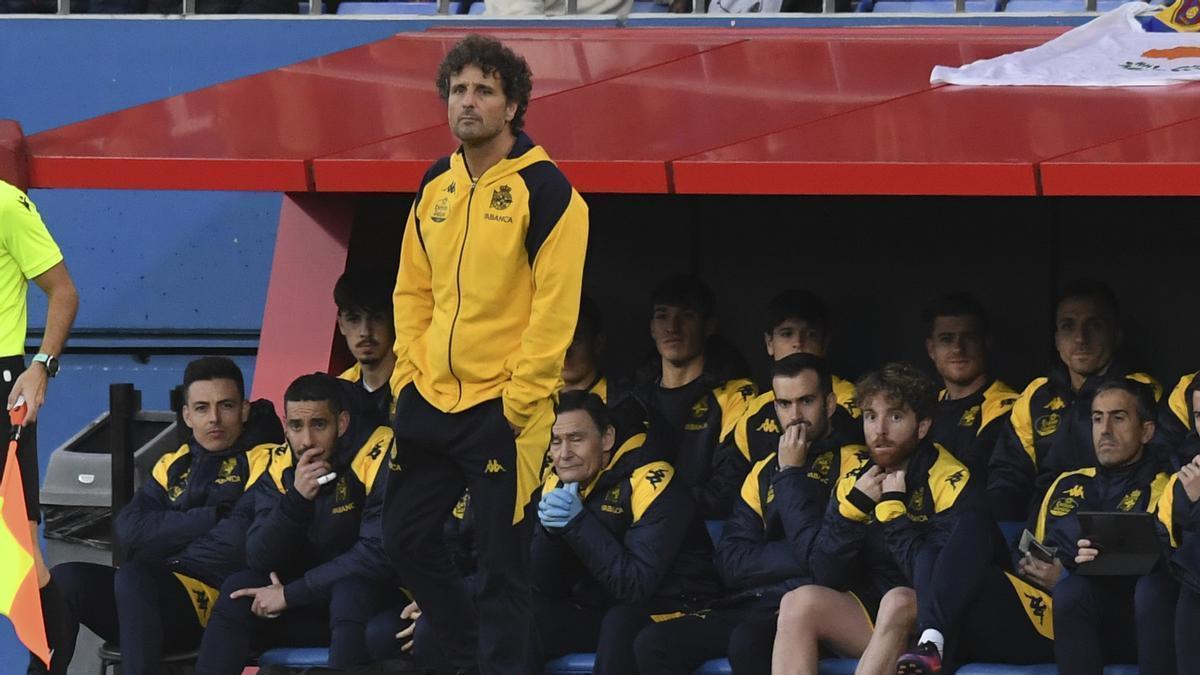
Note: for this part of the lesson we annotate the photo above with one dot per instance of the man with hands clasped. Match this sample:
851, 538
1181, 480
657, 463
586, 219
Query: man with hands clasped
618, 547
317, 571
767, 540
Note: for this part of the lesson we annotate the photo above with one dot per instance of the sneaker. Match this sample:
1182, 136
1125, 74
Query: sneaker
924, 660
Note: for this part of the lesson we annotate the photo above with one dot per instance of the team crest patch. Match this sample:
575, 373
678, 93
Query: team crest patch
916, 501
440, 210
460, 509
969, 416
1047, 424
176, 488
820, 467
228, 472
502, 198
1130, 500
1063, 506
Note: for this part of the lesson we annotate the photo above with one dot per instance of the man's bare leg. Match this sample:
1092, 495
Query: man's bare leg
811, 615
894, 625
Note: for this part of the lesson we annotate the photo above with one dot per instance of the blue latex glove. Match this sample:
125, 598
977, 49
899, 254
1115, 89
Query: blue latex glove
559, 507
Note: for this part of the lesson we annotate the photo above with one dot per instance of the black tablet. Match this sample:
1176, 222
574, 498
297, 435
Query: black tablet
1128, 543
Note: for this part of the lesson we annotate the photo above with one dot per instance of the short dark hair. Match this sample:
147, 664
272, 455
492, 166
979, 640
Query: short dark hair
903, 383
798, 304
687, 292
213, 368
490, 56
590, 324
593, 405
956, 304
359, 292
1092, 289
315, 387
1142, 393
794, 364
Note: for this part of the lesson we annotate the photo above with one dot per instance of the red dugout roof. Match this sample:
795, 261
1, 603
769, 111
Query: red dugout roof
715, 111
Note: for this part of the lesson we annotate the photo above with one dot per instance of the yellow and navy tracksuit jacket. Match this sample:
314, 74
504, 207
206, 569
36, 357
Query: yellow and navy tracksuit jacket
194, 510
488, 289
314, 544
637, 539
1137, 487
1049, 431
764, 550
1179, 518
969, 427
869, 548
756, 434
383, 399
1175, 428
691, 424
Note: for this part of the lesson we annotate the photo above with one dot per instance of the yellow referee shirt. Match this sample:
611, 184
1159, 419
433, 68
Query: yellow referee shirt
26, 251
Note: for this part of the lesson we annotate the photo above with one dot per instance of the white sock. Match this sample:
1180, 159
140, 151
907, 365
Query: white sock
935, 636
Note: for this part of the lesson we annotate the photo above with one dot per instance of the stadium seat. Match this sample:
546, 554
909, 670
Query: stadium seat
295, 657
571, 664
715, 529
837, 666
925, 6
411, 8
110, 655
647, 7
1041, 669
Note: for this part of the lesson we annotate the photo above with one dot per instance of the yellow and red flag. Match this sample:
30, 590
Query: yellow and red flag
19, 597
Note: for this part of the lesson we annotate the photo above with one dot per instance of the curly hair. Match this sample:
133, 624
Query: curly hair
490, 56
902, 383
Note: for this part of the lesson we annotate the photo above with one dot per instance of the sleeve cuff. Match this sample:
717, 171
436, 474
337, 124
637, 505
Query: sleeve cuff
297, 593
857, 506
296, 507
890, 507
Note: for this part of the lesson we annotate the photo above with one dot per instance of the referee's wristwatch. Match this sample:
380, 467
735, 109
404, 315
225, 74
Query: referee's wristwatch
50, 362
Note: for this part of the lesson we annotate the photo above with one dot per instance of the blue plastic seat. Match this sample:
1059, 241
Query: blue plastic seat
837, 666
1044, 6
647, 7
571, 664
925, 6
715, 529
410, 8
295, 657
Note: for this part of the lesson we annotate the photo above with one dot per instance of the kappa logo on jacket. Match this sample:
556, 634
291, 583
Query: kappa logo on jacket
493, 466
768, 426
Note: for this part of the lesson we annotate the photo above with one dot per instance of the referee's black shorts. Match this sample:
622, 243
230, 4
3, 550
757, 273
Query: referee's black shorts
27, 458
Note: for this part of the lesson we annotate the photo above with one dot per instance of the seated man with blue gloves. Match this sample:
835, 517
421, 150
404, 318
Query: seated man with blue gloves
619, 547
317, 567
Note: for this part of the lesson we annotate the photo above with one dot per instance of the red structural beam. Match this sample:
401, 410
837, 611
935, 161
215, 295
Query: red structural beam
1163, 162
677, 110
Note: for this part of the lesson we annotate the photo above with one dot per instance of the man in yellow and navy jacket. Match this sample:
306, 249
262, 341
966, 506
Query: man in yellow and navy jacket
364, 319
486, 299
983, 606
1179, 510
972, 406
1049, 428
184, 531
619, 546
893, 507
691, 399
317, 571
1177, 419
764, 550
1095, 621
798, 322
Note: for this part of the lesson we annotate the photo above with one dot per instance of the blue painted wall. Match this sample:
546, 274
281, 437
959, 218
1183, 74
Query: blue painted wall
194, 264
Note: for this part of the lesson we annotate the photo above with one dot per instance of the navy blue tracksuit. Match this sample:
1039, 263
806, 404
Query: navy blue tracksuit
318, 548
